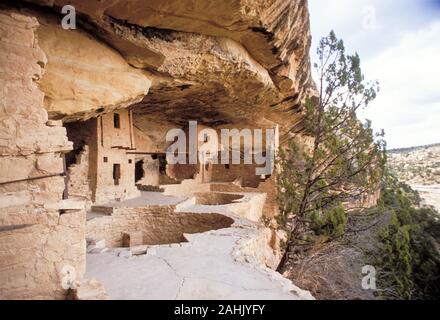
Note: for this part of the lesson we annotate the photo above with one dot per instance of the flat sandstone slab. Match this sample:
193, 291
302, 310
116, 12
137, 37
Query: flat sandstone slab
205, 270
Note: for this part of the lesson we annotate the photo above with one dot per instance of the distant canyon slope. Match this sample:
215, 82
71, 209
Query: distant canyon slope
420, 168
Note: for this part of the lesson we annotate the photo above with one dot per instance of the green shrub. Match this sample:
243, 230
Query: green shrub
330, 222
395, 258
408, 254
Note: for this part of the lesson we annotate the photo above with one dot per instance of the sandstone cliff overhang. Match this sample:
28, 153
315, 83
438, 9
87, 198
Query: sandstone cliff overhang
224, 63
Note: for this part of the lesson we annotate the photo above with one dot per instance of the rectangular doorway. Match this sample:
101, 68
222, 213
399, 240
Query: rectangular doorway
116, 173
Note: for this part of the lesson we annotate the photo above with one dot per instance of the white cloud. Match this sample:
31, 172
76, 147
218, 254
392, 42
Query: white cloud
408, 106
402, 51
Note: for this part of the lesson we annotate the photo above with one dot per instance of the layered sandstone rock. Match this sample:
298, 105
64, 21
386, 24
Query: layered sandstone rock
226, 63
28, 147
84, 76
275, 32
36, 241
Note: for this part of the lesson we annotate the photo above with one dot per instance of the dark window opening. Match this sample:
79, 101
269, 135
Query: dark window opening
116, 120
207, 166
130, 161
105, 159
66, 178
162, 165
205, 137
227, 166
116, 173
138, 170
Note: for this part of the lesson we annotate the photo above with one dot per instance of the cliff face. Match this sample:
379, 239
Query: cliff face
35, 241
226, 63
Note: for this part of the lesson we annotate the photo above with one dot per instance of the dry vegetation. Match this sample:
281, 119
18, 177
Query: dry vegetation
420, 168
417, 166
333, 270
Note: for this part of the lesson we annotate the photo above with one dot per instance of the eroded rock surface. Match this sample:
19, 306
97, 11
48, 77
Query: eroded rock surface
226, 63
83, 75
36, 242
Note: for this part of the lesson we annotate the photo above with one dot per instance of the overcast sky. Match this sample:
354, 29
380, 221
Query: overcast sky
399, 45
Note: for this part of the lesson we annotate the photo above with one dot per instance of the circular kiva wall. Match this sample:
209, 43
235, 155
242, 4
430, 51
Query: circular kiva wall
152, 225
215, 199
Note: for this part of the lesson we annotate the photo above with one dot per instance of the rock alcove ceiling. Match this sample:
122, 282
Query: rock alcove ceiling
228, 64
233, 64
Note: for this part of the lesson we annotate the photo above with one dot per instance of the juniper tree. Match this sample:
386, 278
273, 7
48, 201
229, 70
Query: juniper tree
344, 159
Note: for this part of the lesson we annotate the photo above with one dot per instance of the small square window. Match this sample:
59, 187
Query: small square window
227, 166
105, 159
205, 137
130, 161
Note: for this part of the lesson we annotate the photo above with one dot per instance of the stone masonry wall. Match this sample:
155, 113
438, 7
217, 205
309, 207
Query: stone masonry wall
78, 177
268, 187
150, 167
32, 256
107, 189
112, 146
246, 174
159, 224
104, 152
36, 242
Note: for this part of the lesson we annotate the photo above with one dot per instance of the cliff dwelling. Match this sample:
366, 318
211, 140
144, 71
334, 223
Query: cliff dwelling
85, 181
